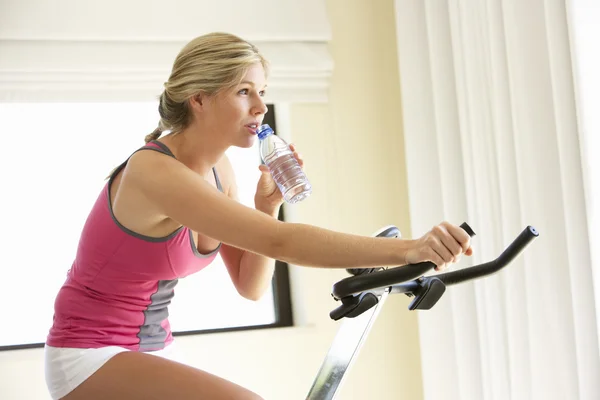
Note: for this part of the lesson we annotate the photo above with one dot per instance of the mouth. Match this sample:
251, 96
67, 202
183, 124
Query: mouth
252, 128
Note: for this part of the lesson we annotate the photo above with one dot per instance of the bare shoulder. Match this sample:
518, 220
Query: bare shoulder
149, 165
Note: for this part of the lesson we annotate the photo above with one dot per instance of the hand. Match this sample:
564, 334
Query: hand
443, 245
268, 196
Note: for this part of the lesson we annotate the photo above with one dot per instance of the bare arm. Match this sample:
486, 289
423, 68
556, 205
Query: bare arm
181, 194
251, 273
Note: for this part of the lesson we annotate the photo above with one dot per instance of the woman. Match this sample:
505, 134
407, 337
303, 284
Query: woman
166, 212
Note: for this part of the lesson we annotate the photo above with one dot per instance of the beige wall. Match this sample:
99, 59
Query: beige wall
353, 149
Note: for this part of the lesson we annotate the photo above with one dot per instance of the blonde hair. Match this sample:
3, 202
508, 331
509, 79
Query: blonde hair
207, 64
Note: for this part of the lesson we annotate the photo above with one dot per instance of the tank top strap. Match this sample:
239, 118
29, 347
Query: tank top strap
164, 149
158, 146
161, 148
217, 180
152, 145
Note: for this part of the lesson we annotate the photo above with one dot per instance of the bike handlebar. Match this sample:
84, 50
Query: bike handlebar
360, 283
491, 267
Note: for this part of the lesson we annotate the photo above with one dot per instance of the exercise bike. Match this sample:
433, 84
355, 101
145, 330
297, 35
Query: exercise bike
363, 294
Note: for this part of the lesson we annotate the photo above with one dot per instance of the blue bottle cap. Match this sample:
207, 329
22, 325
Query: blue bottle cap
263, 131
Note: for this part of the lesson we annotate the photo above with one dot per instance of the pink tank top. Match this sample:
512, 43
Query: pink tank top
121, 283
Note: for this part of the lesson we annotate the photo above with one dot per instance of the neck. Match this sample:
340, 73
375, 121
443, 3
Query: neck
198, 149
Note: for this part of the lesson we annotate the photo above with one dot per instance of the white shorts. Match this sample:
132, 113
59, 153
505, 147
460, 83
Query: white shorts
67, 368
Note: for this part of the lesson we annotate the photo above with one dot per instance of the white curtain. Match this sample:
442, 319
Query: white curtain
492, 139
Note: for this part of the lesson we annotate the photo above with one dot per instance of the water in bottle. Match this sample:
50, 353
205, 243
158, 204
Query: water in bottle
284, 167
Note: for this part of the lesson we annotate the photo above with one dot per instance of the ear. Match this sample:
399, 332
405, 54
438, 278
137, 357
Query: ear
197, 102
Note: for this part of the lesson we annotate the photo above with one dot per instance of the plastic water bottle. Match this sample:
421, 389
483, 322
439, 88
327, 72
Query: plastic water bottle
284, 167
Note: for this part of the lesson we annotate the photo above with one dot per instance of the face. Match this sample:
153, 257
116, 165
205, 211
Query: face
236, 114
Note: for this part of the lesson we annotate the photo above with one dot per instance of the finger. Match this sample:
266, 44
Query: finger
440, 249
263, 168
461, 236
444, 253
451, 244
292, 147
448, 241
435, 258
469, 251
299, 158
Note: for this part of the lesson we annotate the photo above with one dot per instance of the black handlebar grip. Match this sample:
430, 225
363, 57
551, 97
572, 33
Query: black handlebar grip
417, 270
467, 229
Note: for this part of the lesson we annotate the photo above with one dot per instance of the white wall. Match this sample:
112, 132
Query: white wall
353, 148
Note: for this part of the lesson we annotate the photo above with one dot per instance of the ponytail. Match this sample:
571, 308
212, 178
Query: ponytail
154, 135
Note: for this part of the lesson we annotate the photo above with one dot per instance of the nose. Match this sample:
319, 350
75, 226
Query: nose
259, 107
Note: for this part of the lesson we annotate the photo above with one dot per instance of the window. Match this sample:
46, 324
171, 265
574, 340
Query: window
55, 159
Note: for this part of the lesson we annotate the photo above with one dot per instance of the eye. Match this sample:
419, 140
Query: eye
262, 93
243, 91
